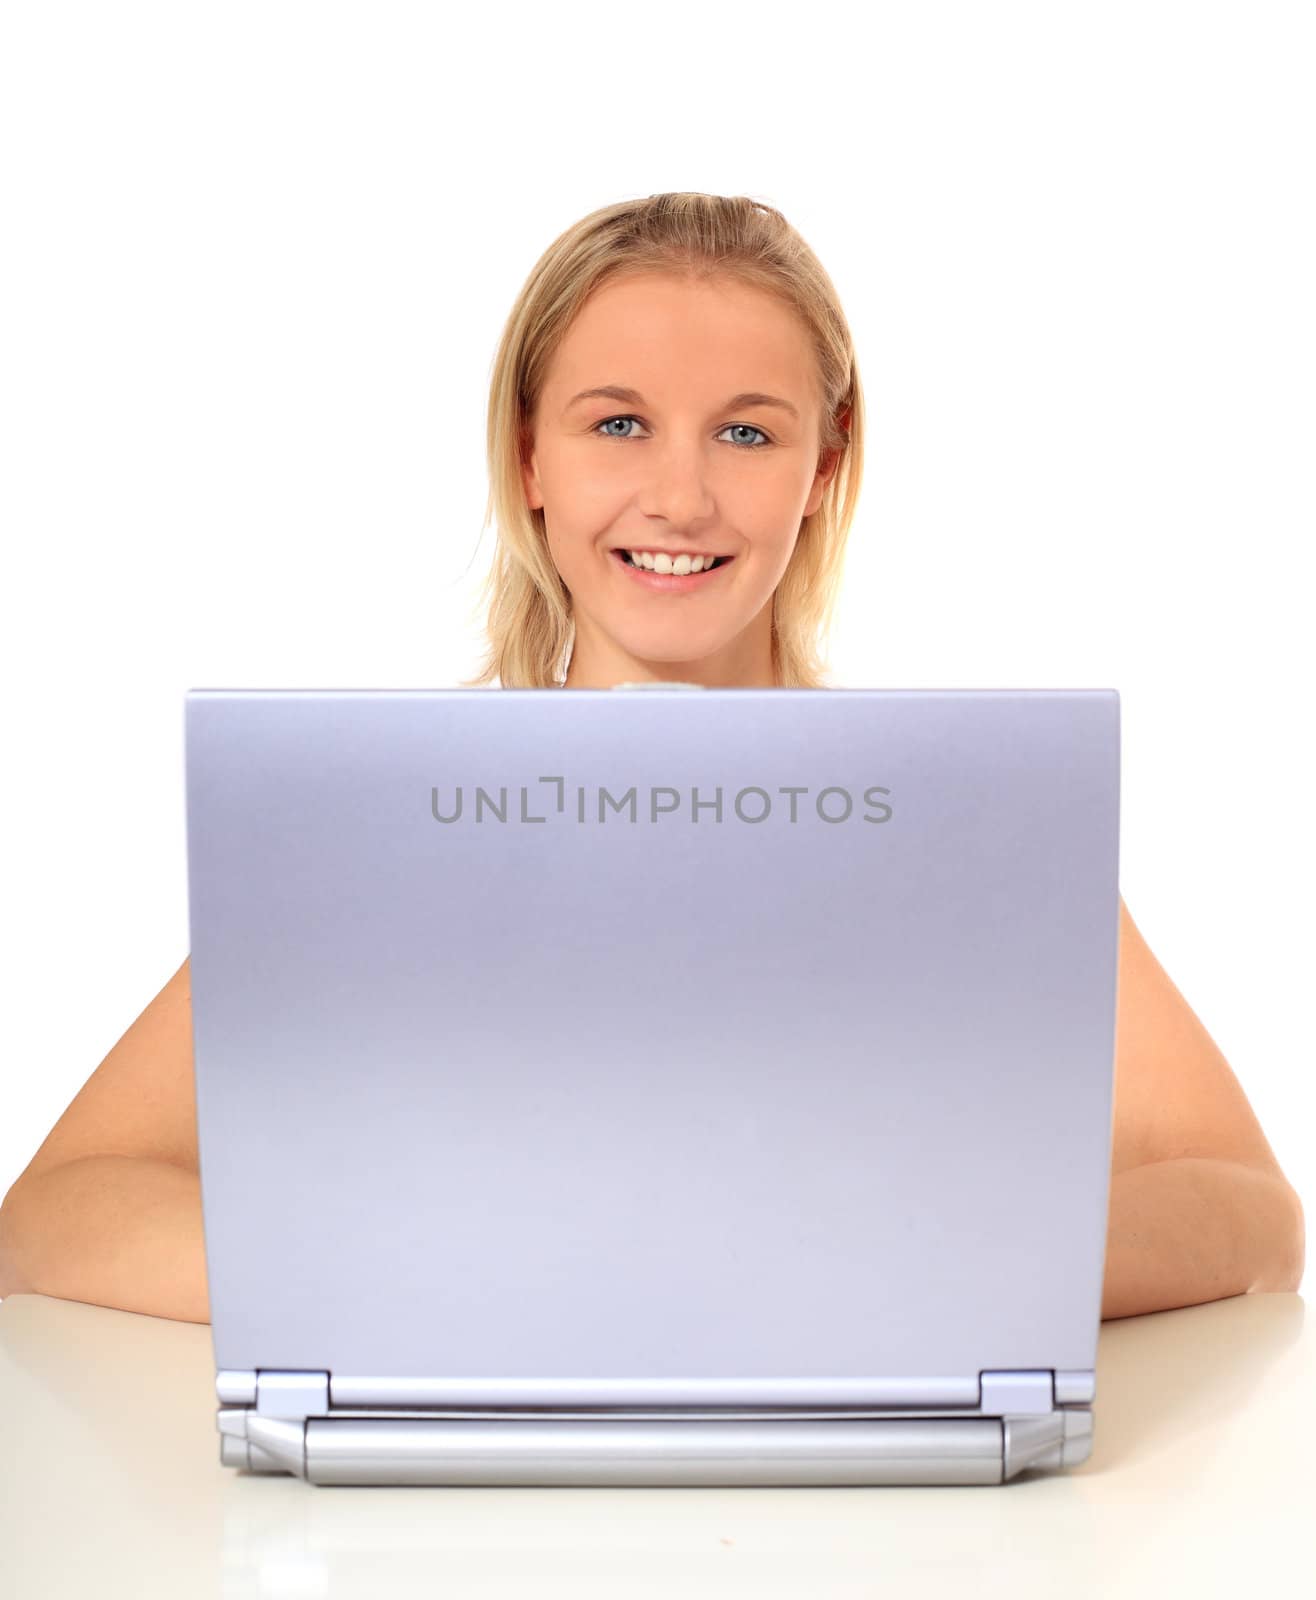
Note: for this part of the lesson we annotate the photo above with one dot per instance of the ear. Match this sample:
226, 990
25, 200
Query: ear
828, 463
534, 494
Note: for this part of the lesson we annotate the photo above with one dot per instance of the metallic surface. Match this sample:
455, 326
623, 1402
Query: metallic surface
656, 1451
647, 1110
653, 1451
292, 1428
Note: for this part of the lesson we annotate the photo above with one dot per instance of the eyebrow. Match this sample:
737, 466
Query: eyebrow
632, 397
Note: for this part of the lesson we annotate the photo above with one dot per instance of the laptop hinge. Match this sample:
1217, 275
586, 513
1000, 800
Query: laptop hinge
282, 1422
1017, 1392
418, 1450
292, 1396
1030, 1393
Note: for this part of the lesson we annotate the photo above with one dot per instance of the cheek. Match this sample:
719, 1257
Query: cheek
766, 502
583, 496
770, 526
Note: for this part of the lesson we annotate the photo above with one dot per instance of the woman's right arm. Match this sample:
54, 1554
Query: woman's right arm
109, 1208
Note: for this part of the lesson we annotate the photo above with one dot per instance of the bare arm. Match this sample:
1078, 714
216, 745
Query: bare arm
112, 1230
1190, 1229
109, 1208
1199, 1206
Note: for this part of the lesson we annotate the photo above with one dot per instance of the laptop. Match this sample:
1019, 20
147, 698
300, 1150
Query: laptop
688, 1086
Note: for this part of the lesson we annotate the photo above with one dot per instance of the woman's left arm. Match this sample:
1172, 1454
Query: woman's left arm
1199, 1207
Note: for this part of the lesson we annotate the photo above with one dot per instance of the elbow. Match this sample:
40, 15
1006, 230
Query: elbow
1284, 1274
14, 1279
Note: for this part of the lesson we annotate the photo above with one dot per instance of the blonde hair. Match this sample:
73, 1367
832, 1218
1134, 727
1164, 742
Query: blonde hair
528, 618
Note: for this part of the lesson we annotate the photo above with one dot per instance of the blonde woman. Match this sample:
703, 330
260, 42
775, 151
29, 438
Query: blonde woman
675, 438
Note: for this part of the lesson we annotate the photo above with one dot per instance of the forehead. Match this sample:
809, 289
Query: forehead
658, 329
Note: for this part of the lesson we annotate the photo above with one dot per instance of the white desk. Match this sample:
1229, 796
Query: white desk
1202, 1482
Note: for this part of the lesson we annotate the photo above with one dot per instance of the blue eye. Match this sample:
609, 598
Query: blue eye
747, 427
739, 444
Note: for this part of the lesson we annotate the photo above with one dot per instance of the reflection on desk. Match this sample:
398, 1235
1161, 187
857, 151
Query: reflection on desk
1200, 1481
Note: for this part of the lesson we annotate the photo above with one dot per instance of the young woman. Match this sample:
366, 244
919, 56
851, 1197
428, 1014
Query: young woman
675, 436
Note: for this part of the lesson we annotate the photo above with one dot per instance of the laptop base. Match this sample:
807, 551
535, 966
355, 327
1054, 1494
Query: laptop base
655, 1449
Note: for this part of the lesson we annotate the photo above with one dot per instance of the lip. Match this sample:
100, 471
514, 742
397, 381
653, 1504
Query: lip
667, 582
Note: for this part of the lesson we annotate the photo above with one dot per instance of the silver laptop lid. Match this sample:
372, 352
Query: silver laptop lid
588, 1045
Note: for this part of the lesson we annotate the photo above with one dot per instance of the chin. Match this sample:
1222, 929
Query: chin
672, 645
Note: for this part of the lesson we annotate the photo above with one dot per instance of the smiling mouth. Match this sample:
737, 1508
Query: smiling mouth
624, 556
670, 583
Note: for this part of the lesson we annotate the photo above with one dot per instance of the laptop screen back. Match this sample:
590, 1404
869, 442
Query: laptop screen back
763, 1033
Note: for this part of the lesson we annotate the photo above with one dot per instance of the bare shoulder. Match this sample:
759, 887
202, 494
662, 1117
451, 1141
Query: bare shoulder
141, 1099
1175, 1094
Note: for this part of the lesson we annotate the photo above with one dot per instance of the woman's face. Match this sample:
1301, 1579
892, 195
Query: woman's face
714, 450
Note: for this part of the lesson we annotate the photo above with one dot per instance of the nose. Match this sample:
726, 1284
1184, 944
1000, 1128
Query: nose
676, 488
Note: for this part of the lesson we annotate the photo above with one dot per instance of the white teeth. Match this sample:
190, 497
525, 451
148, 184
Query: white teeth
679, 566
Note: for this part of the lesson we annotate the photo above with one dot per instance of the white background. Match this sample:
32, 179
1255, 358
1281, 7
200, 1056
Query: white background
255, 262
